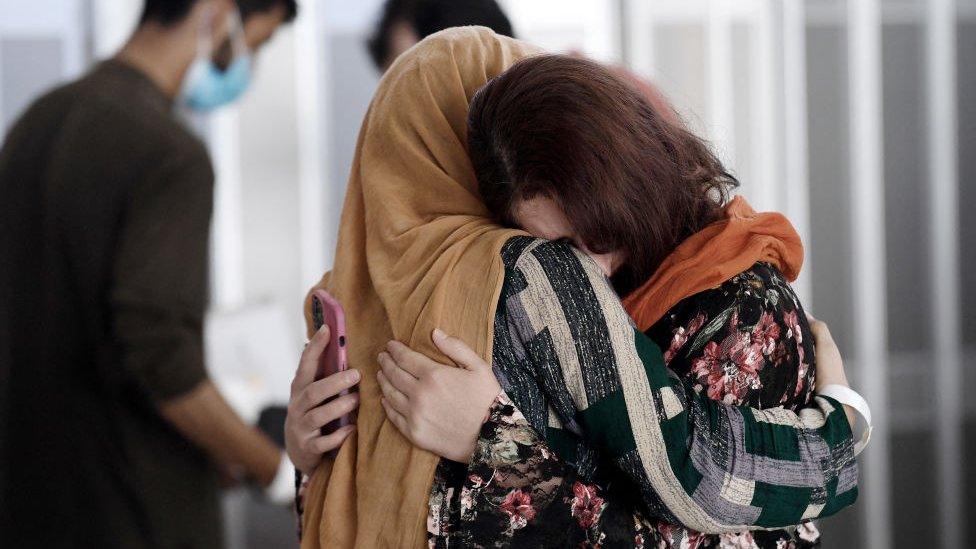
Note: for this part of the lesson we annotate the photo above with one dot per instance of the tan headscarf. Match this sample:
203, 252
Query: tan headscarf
416, 251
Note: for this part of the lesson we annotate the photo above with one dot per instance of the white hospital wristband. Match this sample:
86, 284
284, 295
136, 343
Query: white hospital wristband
850, 397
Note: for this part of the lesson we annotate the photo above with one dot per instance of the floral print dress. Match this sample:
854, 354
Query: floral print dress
746, 342
534, 483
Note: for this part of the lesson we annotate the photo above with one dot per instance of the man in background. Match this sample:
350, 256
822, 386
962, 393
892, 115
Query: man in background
113, 435
403, 23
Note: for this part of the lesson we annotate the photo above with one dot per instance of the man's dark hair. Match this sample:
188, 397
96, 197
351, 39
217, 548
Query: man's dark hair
429, 16
168, 12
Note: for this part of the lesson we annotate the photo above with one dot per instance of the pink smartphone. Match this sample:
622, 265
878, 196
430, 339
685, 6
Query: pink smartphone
326, 310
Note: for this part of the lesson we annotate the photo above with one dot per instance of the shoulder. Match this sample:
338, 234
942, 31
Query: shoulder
559, 259
113, 104
762, 287
552, 283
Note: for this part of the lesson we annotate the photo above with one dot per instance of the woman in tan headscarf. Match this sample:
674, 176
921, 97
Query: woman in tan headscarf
417, 251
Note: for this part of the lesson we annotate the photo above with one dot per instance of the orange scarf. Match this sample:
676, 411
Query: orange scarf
715, 254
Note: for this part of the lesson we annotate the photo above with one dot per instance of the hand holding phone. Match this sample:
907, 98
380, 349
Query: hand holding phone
327, 310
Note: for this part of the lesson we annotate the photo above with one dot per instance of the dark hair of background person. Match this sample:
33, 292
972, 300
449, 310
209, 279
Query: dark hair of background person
626, 178
168, 12
429, 16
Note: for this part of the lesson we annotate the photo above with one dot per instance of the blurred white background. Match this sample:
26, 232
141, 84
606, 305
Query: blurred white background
857, 118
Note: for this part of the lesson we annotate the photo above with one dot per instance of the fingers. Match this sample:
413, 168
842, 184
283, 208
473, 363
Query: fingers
325, 388
821, 333
319, 417
396, 418
457, 350
397, 399
400, 378
416, 364
309, 363
331, 441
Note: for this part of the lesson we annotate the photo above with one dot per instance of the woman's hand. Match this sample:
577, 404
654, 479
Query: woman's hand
306, 412
830, 365
437, 407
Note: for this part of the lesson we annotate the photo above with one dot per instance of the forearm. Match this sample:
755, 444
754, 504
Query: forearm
206, 419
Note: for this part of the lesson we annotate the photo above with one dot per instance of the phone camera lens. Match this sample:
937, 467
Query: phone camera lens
342, 341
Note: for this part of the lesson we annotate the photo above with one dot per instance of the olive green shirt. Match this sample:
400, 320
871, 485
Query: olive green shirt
105, 206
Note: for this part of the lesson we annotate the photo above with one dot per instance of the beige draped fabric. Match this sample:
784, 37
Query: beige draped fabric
416, 251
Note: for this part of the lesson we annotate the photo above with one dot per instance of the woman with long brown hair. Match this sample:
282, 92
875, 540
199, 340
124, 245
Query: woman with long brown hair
586, 436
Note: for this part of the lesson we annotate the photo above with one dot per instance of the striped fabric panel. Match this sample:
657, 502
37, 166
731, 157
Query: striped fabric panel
697, 462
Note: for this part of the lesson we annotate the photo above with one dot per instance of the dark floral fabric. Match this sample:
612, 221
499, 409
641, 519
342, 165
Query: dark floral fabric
514, 466
746, 342
743, 342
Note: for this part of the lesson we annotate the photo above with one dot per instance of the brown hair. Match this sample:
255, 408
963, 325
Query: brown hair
627, 178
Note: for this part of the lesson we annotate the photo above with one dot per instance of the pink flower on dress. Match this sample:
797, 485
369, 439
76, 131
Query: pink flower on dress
766, 333
693, 540
746, 355
737, 540
792, 321
667, 534
518, 506
708, 368
730, 369
808, 531
682, 335
587, 506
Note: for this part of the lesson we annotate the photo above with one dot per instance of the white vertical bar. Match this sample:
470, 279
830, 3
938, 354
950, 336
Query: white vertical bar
599, 23
73, 41
766, 145
113, 23
868, 243
227, 253
640, 25
943, 202
310, 91
720, 83
797, 181
4, 124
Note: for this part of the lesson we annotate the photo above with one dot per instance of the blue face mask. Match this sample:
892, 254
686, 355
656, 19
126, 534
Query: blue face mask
206, 86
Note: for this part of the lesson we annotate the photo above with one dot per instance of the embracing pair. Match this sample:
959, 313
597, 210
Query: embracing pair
509, 197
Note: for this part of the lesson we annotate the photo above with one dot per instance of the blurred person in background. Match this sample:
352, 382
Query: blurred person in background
115, 437
403, 23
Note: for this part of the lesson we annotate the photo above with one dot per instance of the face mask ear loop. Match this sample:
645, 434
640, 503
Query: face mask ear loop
237, 40
204, 38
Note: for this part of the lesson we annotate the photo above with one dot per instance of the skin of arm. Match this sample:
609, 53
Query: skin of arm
205, 419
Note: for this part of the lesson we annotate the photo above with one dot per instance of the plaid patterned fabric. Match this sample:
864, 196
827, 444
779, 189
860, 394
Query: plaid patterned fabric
569, 358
